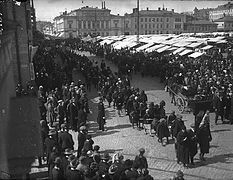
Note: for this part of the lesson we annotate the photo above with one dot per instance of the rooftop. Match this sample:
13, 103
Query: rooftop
225, 19
224, 6
202, 22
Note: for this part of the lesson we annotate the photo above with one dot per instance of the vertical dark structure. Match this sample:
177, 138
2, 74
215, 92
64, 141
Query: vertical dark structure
138, 21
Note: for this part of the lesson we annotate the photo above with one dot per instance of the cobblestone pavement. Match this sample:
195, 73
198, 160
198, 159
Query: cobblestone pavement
121, 137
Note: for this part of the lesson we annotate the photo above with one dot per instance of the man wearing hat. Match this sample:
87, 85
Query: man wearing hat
60, 113
81, 139
104, 164
101, 114
50, 142
72, 114
192, 143
72, 173
57, 172
82, 166
140, 160
88, 144
65, 139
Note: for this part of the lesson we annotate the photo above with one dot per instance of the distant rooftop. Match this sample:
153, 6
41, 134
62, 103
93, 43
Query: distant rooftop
225, 19
225, 6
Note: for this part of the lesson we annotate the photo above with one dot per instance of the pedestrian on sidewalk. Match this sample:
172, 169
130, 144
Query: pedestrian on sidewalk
101, 114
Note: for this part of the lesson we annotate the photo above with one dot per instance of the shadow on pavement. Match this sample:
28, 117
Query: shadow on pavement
121, 126
220, 130
102, 133
111, 151
223, 158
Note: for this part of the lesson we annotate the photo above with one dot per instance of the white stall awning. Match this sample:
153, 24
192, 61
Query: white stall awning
207, 47
178, 50
185, 52
153, 48
163, 49
195, 54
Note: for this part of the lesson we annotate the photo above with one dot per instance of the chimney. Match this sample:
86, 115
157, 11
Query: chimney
159, 8
147, 9
172, 10
102, 3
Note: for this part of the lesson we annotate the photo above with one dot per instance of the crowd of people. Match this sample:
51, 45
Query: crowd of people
64, 105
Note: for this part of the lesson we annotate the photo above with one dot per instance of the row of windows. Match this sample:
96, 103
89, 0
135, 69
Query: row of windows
152, 19
154, 32
153, 26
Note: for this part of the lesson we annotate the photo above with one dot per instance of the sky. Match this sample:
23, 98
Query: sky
46, 10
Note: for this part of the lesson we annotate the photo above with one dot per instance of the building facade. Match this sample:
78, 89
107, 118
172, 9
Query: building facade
225, 23
202, 14
159, 21
200, 26
15, 61
221, 11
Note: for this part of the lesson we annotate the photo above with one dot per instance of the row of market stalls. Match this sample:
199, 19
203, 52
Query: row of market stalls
184, 44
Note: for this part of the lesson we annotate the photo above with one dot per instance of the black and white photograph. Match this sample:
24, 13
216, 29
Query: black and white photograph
116, 89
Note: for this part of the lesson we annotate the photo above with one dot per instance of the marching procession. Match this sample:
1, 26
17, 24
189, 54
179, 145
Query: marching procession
64, 106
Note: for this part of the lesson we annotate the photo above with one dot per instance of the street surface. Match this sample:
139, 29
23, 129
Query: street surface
121, 137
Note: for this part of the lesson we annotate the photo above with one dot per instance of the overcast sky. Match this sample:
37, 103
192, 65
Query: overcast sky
48, 9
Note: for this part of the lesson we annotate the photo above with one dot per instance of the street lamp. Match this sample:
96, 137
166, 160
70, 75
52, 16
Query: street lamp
138, 21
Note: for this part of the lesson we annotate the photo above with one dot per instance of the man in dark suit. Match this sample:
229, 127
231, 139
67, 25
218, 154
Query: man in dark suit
73, 113
65, 139
101, 115
60, 113
72, 173
81, 139
88, 144
218, 105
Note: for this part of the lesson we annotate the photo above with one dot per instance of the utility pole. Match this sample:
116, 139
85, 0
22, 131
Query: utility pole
138, 21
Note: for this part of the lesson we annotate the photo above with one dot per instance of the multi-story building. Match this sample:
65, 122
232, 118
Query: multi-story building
202, 14
16, 136
225, 23
65, 25
200, 26
221, 11
42, 25
159, 21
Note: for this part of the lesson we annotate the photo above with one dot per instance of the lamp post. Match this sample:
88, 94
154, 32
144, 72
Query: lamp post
138, 21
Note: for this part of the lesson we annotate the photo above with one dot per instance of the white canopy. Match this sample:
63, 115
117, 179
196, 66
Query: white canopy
141, 48
194, 45
154, 47
163, 49
207, 47
107, 41
195, 54
181, 44
186, 51
178, 50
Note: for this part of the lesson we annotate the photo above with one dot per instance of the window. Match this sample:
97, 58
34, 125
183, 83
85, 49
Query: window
116, 25
149, 19
161, 25
157, 19
89, 25
161, 19
145, 19
145, 25
167, 19
141, 25
116, 33
167, 25
135, 26
177, 19
149, 25
153, 25
145, 32
141, 19
107, 33
107, 24
135, 19
126, 25
157, 25
102, 24
177, 26
70, 26
149, 32
153, 32
102, 33
84, 24
157, 32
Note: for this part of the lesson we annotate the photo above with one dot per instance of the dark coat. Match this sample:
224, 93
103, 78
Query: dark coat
88, 145
74, 175
65, 140
192, 142
101, 113
49, 144
204, 138
57, 174
176, 127
73, 112
183, 147
162, 130
140, 162
82, 117
81, 140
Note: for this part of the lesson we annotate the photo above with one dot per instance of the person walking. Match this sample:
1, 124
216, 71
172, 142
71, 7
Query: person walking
204, 138
81, 139
65, 139
101, 114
